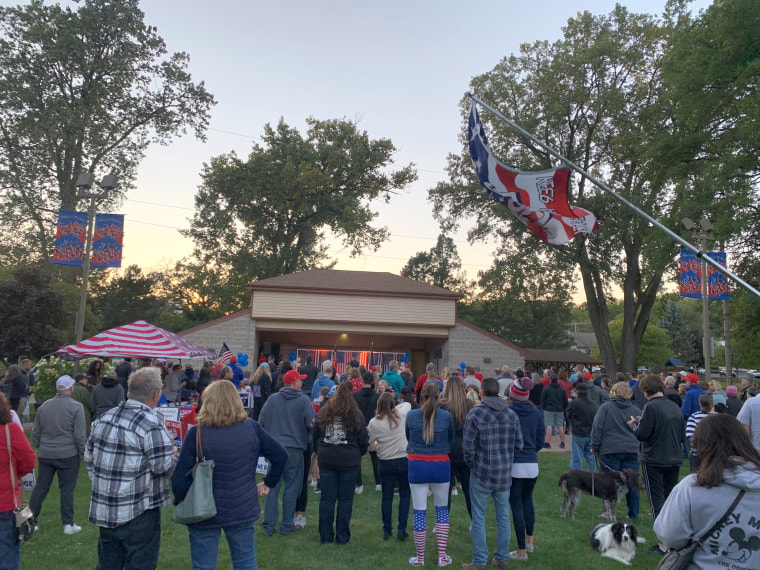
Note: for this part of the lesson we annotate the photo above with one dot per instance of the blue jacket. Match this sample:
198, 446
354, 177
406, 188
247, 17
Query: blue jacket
235, 450
237, 374
690, 402
319, 383
288, 416
533, 430
443, 433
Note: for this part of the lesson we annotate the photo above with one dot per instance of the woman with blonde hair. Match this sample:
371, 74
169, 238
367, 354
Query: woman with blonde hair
457, 404
233, 441
613, 442
430, 431
471, 392
261, 388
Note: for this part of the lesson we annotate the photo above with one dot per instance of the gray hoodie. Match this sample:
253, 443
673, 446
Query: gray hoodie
287, 416
610, 432
691, 511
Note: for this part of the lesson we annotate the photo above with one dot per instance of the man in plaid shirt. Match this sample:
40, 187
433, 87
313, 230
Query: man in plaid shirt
130, 458
492, 433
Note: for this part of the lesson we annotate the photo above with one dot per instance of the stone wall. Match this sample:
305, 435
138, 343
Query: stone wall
238, 332
471, 346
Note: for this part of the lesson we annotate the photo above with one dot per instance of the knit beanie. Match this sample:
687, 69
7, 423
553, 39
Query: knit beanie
520, 389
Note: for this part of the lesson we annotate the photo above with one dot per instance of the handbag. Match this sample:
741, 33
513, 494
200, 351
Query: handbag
681, 558
198, 504
24, 517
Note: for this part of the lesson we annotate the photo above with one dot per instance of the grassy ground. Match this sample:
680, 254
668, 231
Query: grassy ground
560, 543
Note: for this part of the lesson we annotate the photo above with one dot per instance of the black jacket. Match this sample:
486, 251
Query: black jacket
661, 432
581, 412
553, 398
338, 449
367, 399
734, 404
311, 373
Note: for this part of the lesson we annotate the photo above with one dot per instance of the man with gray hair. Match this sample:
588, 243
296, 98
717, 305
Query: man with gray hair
505, 380
393, 378
130, 458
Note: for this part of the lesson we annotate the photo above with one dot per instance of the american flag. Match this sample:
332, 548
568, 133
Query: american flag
340, 362
537, 199
224, 354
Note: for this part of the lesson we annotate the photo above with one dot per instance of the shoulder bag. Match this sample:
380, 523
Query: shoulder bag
198, 504
681, 559
24, 517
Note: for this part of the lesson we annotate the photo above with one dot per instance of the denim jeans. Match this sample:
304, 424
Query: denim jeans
9, 544
68, 471
131, 546
204, 545
618, 462
523, 513
582, 448
291, 482
393, 473
337, 486
479, 498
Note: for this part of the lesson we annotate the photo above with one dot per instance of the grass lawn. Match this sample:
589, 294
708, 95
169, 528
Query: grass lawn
560, 543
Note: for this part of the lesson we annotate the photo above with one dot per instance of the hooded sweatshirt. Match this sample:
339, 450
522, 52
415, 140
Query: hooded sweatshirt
610, 433
106, 395
691, 511
533, 430
319, 383
287, 416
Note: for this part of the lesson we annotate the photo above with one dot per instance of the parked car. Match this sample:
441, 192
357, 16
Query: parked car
723, 372
754, 373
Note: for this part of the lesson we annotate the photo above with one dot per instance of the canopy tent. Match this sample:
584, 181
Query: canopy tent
673, 362
139, 339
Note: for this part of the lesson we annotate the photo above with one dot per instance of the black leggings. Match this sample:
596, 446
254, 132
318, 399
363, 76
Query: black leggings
462, 472
523, 514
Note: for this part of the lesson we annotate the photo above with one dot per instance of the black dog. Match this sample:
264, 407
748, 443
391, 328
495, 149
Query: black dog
610, 487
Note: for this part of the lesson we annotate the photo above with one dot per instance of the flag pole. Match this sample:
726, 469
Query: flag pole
698, 252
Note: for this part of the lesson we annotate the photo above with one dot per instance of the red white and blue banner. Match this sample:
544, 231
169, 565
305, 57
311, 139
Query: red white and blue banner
538, 199
70, 237
107, 241
690, 279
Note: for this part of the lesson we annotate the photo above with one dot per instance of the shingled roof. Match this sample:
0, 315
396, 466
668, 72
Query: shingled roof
362, 282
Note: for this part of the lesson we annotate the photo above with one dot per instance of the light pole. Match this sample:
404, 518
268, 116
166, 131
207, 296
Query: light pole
84, 186
702, 233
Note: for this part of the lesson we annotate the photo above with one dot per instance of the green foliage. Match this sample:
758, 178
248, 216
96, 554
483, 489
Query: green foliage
270, 214
654, 348
440, 266
31, 312
84, 89
52, 368
127, 297
683, 339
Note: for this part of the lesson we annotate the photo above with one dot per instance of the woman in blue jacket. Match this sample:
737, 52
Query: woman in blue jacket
233, 442
430, 431
525, 465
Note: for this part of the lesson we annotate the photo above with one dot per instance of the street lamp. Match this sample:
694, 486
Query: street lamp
703, 232
84, 186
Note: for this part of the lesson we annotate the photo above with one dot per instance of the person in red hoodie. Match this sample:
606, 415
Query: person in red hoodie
22, 458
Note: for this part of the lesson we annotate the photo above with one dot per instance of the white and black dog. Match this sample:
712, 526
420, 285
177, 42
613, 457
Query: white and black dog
610, 487
616, 541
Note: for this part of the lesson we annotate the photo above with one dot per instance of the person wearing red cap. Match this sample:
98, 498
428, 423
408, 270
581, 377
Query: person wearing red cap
690, 403
288, 416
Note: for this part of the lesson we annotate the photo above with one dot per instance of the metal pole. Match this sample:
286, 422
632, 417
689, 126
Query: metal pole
86, 269
699, 253
726, 334
705, 312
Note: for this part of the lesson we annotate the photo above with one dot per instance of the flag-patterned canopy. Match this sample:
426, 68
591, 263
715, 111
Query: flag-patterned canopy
139, 339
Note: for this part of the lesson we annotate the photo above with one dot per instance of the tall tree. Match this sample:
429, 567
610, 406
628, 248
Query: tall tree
31, 313
440, 266
81, 90
595, 95
683, 339
271, 214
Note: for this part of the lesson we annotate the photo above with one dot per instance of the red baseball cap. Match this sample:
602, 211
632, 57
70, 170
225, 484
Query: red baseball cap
588, 376
293, 376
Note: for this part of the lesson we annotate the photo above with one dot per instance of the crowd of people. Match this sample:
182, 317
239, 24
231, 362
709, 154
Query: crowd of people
428, 438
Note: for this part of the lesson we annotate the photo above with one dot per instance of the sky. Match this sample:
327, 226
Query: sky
399, 68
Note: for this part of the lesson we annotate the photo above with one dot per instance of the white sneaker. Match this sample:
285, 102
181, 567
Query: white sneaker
299, 521
359, 490
378, 487
454, 491
71, 529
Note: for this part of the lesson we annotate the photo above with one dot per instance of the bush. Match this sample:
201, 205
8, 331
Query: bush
52, 368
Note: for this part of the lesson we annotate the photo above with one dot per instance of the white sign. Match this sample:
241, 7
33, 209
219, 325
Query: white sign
262, 466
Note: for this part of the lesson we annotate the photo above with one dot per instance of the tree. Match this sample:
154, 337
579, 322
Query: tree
653, 349
683, 340
31, 312
125, 298
81, 90
440, 266
596, 96
270, 214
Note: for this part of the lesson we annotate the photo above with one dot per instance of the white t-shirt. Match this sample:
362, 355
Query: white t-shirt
750, 415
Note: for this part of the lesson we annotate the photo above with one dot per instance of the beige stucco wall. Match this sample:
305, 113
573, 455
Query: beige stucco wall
304, 306
239, 333
471, 347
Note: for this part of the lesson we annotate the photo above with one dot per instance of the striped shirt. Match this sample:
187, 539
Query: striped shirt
129, 458
692, 422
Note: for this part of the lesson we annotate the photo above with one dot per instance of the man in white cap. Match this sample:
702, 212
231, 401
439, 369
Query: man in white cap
59, 434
